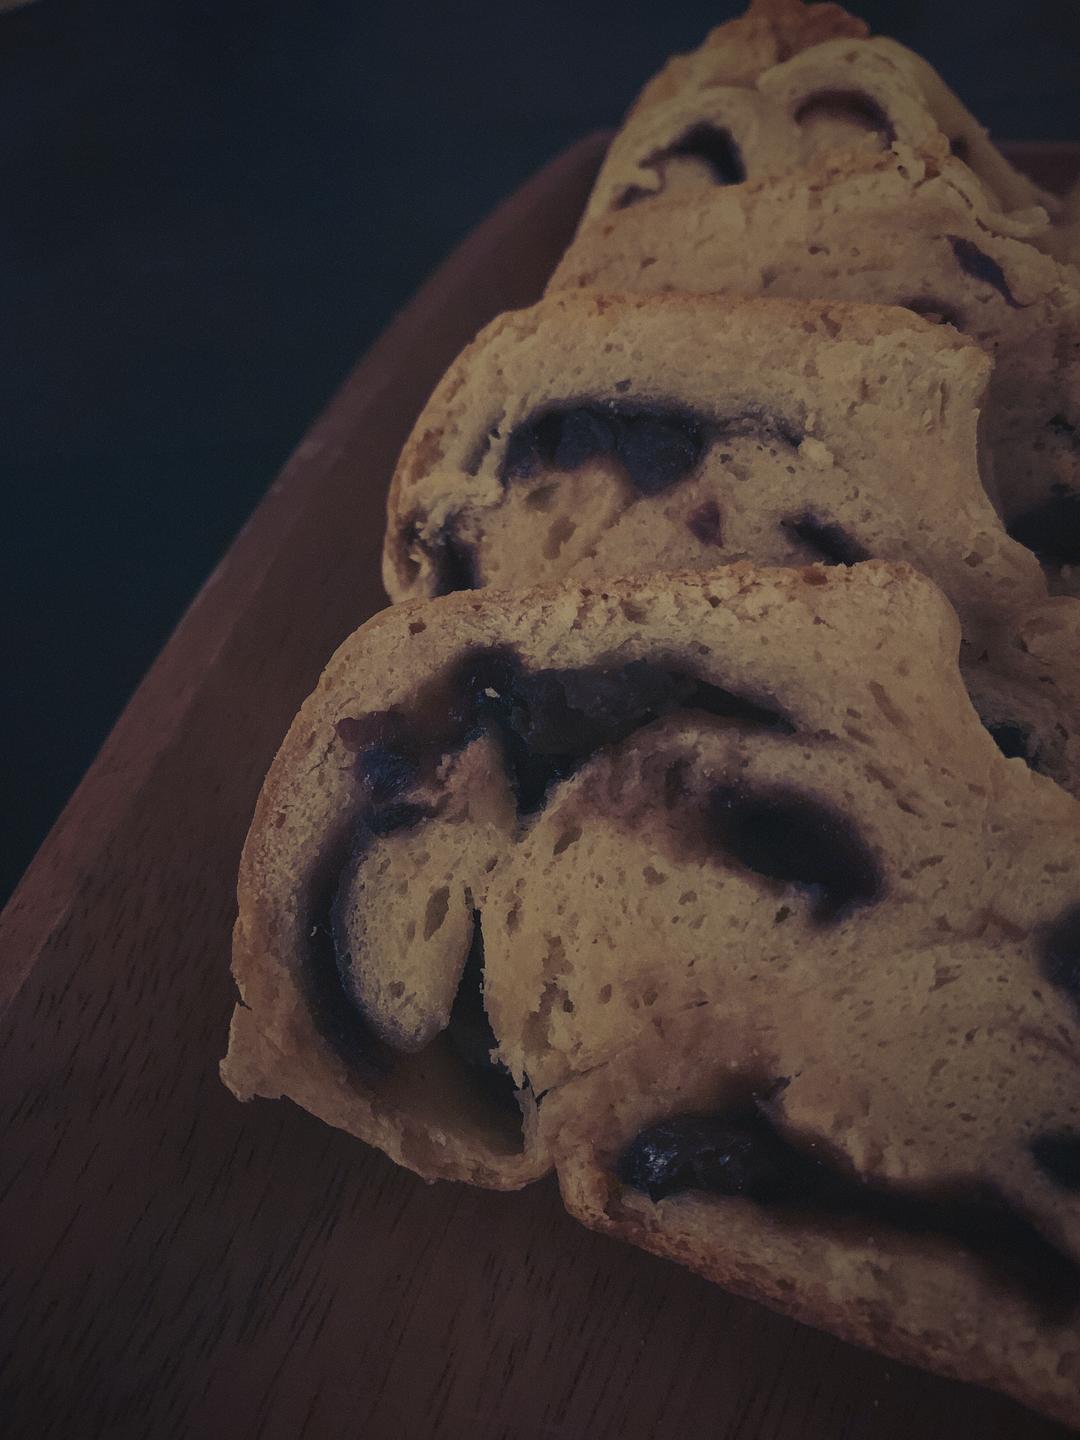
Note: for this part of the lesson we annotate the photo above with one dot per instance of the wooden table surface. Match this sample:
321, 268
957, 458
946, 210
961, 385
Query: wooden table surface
176, 1264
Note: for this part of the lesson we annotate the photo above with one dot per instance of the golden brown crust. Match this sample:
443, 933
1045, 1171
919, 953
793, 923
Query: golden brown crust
737, 52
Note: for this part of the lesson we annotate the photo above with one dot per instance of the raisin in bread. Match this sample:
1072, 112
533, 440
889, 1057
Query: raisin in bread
903, 228
711, 891
698, 129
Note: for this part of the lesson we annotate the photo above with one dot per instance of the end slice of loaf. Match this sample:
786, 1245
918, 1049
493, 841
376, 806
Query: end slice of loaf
711, 891
696, 127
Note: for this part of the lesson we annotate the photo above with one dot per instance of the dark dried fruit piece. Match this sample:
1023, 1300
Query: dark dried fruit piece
1052, 529
793, 837
704, 523
831, 541
740, 1153
729, 1154
658, 450
571, 438
657, 446
386, 772
548, 723
980, 266
377, 727
551, 721
384, 743
389, 819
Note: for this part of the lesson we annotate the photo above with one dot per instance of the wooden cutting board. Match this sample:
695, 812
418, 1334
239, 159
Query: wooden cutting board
176, 1264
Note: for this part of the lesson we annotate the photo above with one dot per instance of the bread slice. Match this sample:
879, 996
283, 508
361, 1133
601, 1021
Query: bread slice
601, 434
904, 228
697, 125
599, 875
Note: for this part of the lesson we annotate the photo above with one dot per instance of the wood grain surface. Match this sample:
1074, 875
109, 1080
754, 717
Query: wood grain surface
176, 1264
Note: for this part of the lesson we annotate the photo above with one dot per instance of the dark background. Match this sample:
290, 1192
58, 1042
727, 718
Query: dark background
208, 213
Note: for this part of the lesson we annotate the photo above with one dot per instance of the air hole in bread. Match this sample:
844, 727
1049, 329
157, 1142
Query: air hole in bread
1014, 741
1052, 529
716, 149
853, 107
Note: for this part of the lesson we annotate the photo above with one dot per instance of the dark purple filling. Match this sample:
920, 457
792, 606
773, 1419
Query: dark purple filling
792, 837
716, 148
657, 446
547, 723
831, 541
980, 266
1060, 945
1058, 1155
740, 1153
704, 523
852, 104
1052, 529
